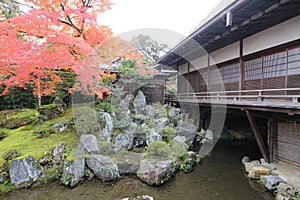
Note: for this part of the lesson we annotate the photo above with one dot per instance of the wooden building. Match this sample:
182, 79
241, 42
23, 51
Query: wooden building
247, 57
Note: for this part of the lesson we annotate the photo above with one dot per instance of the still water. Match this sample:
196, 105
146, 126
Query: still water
219, 176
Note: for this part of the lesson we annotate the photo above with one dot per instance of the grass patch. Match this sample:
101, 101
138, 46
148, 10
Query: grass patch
6, 187
24, 141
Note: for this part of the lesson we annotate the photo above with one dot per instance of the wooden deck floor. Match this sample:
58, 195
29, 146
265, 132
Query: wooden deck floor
275, 106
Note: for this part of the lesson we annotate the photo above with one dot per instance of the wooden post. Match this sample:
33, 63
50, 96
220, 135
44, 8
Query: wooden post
241, 84
258, 137
271, 137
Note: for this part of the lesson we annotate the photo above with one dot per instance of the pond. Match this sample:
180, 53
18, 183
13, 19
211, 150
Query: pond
219, 176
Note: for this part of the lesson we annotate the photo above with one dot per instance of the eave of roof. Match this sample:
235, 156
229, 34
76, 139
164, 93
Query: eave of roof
249, 17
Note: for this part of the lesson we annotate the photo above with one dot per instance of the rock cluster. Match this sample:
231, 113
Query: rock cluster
266, 174
114, 145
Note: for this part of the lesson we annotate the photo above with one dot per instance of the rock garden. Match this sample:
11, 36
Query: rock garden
150, 142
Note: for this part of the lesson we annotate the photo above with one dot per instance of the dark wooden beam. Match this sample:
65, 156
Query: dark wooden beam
241, 81
271, 138
258, 137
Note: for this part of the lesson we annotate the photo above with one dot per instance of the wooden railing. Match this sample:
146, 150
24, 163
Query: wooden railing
245, 95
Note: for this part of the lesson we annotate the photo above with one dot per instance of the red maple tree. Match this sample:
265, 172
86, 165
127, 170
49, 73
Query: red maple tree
56, 34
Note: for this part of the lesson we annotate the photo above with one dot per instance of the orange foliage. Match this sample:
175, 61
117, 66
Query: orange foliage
55, 34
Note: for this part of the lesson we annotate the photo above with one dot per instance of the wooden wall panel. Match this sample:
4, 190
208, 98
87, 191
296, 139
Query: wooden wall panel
287, 140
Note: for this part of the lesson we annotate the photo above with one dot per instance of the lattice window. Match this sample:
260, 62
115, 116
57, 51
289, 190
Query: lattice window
275, 65
231, 73
253, 69
294, 61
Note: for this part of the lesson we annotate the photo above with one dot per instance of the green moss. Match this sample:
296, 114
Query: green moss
3, 134
105, 147
17, 118
168, 133
179, 150
49, 106
150, 123
158, 148
23, 140
49, 175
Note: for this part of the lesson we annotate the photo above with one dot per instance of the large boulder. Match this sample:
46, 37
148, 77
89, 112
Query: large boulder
150, 111
188, 130
107, 123
128, 162
123, 112
139, 103
103, 167
24, 172
87, 144
125, 139
155, 172
73, 172
161, 123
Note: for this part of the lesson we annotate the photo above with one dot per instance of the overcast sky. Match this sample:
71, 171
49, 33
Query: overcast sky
178, 17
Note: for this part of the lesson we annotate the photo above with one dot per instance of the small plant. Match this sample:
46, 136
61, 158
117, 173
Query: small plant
6, 187
43, 131
11, 154
168, 133
198, 159
2, 134
106, 107
200, 136
296, 196
183, 166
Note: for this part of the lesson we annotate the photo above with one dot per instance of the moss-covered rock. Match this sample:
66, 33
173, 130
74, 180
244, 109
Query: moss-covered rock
168, 133
17, 118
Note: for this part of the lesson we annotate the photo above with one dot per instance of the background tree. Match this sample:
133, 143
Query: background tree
53, 35
151, 48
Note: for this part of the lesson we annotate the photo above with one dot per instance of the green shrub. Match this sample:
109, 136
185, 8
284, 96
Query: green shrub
105, 107
86, 120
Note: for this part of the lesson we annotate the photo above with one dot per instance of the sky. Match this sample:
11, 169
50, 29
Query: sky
166, 20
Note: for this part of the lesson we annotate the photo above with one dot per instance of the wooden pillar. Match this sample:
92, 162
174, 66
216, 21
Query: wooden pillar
188, 77
241, 61
258, 137
271, 138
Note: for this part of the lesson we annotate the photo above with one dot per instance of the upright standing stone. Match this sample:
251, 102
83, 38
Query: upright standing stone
106, 119
139, 103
